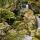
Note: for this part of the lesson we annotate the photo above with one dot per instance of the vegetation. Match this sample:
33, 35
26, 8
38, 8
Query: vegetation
15, 25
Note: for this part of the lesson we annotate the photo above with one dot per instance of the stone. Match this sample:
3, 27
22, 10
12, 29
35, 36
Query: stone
2, 33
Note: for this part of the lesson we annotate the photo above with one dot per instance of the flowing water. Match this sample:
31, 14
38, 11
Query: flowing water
38, 21
27, 37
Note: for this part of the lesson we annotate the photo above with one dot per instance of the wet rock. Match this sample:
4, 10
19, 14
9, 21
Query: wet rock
2, 33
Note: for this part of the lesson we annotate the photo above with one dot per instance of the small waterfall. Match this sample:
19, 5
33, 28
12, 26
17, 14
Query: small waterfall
24, 8
27, 6
38, 21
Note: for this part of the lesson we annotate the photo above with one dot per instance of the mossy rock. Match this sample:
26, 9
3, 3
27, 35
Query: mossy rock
35, 38
2, 26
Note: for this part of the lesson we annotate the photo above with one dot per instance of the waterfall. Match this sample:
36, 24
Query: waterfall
38, 21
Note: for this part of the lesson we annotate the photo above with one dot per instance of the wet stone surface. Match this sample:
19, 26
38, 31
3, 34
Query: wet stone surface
2, 33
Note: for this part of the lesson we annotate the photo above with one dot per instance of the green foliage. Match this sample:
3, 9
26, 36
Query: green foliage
6, 14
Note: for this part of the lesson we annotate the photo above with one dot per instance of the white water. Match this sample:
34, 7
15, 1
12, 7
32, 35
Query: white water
27, 6
27, 37
38, 21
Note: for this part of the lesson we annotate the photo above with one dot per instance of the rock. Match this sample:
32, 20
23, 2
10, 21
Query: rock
2, 33
2, 26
